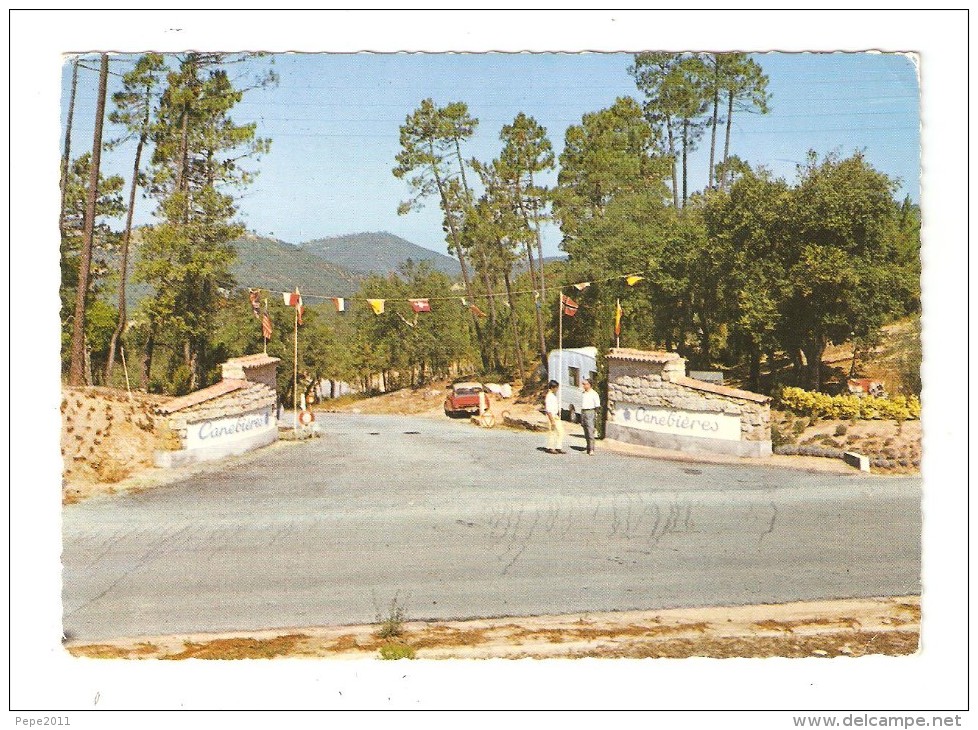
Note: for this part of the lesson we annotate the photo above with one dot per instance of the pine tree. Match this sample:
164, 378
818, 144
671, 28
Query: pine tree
430, 159
196, 164
76, 373
134, 106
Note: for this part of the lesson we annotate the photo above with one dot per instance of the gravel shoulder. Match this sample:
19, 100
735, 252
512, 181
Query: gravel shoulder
852, 627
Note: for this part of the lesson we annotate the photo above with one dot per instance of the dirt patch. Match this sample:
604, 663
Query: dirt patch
521, 411
854, 627
406, 401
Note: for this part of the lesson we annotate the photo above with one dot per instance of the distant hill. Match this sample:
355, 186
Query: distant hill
376, 253
265, 263
272, 264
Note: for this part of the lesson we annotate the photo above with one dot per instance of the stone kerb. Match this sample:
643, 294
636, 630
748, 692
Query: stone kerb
680, 413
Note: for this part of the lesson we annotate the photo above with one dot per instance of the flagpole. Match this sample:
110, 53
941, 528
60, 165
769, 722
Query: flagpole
122, 351
618, 324
560, 339
295, 372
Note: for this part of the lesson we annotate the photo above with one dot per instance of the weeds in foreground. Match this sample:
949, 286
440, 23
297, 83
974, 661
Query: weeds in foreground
392, 625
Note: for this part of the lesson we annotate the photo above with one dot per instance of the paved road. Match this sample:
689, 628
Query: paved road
456, 522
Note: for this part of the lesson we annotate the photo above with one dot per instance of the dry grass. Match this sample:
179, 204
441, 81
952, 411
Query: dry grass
445, 636
856, 627
244, 648
912, 609
790, 626
851, 644
108, 651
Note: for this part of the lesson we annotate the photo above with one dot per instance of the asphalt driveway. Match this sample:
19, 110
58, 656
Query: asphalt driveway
452, 521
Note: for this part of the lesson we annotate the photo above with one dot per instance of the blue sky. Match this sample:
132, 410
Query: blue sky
334, 122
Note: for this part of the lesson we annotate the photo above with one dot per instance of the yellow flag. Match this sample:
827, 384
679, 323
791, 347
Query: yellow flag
633, 279
617, 318
377, 305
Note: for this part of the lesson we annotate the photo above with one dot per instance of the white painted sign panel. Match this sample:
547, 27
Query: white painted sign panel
677, 422
222, 431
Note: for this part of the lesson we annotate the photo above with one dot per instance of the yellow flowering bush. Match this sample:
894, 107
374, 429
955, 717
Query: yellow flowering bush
849, 407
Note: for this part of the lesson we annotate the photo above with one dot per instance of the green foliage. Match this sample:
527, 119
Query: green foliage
418, 346
612, 152
179, 381
198, 153
396, 650
108, 205
847, 407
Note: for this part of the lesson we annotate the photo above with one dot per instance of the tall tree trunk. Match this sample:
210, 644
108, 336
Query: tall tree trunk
148, 358
675, 164
713, 125
537, 306
66, 157
754, 375
726, 144
516, 329
685, 156
520, 203
460, 254
536, 232
493, 344
813, 353
124, 262
705, 330
76, 373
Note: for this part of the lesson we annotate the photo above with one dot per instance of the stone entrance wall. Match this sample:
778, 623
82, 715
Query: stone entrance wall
651, 402
231, 417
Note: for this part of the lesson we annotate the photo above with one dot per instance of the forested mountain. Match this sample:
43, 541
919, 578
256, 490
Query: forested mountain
376, 253
272, 264
268, 263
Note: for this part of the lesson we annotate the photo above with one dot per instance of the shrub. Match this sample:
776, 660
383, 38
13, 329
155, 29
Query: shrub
841, 429
779, 437
392, 625
180, 380
397, 651
848, 407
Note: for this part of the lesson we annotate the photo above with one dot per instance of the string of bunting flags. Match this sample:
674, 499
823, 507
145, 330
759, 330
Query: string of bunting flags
420, 305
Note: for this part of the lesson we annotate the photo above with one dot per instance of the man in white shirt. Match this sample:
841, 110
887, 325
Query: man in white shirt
590, 403
551, 406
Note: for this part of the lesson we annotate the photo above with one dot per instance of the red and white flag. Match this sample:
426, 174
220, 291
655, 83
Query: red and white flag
340, 303
254, 295
420, 305
294, 299
570, 306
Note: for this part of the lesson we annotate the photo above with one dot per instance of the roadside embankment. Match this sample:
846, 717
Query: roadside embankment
839, 628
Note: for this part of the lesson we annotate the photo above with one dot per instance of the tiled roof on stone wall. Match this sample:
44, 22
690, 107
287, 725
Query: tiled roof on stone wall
202, 396
252, 361
720, 389
627, 353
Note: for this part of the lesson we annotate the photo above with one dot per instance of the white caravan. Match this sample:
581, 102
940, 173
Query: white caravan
569, 367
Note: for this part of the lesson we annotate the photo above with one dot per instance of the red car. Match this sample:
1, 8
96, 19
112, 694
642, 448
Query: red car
464, 398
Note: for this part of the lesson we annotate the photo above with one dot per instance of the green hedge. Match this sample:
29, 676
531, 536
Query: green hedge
848, 407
